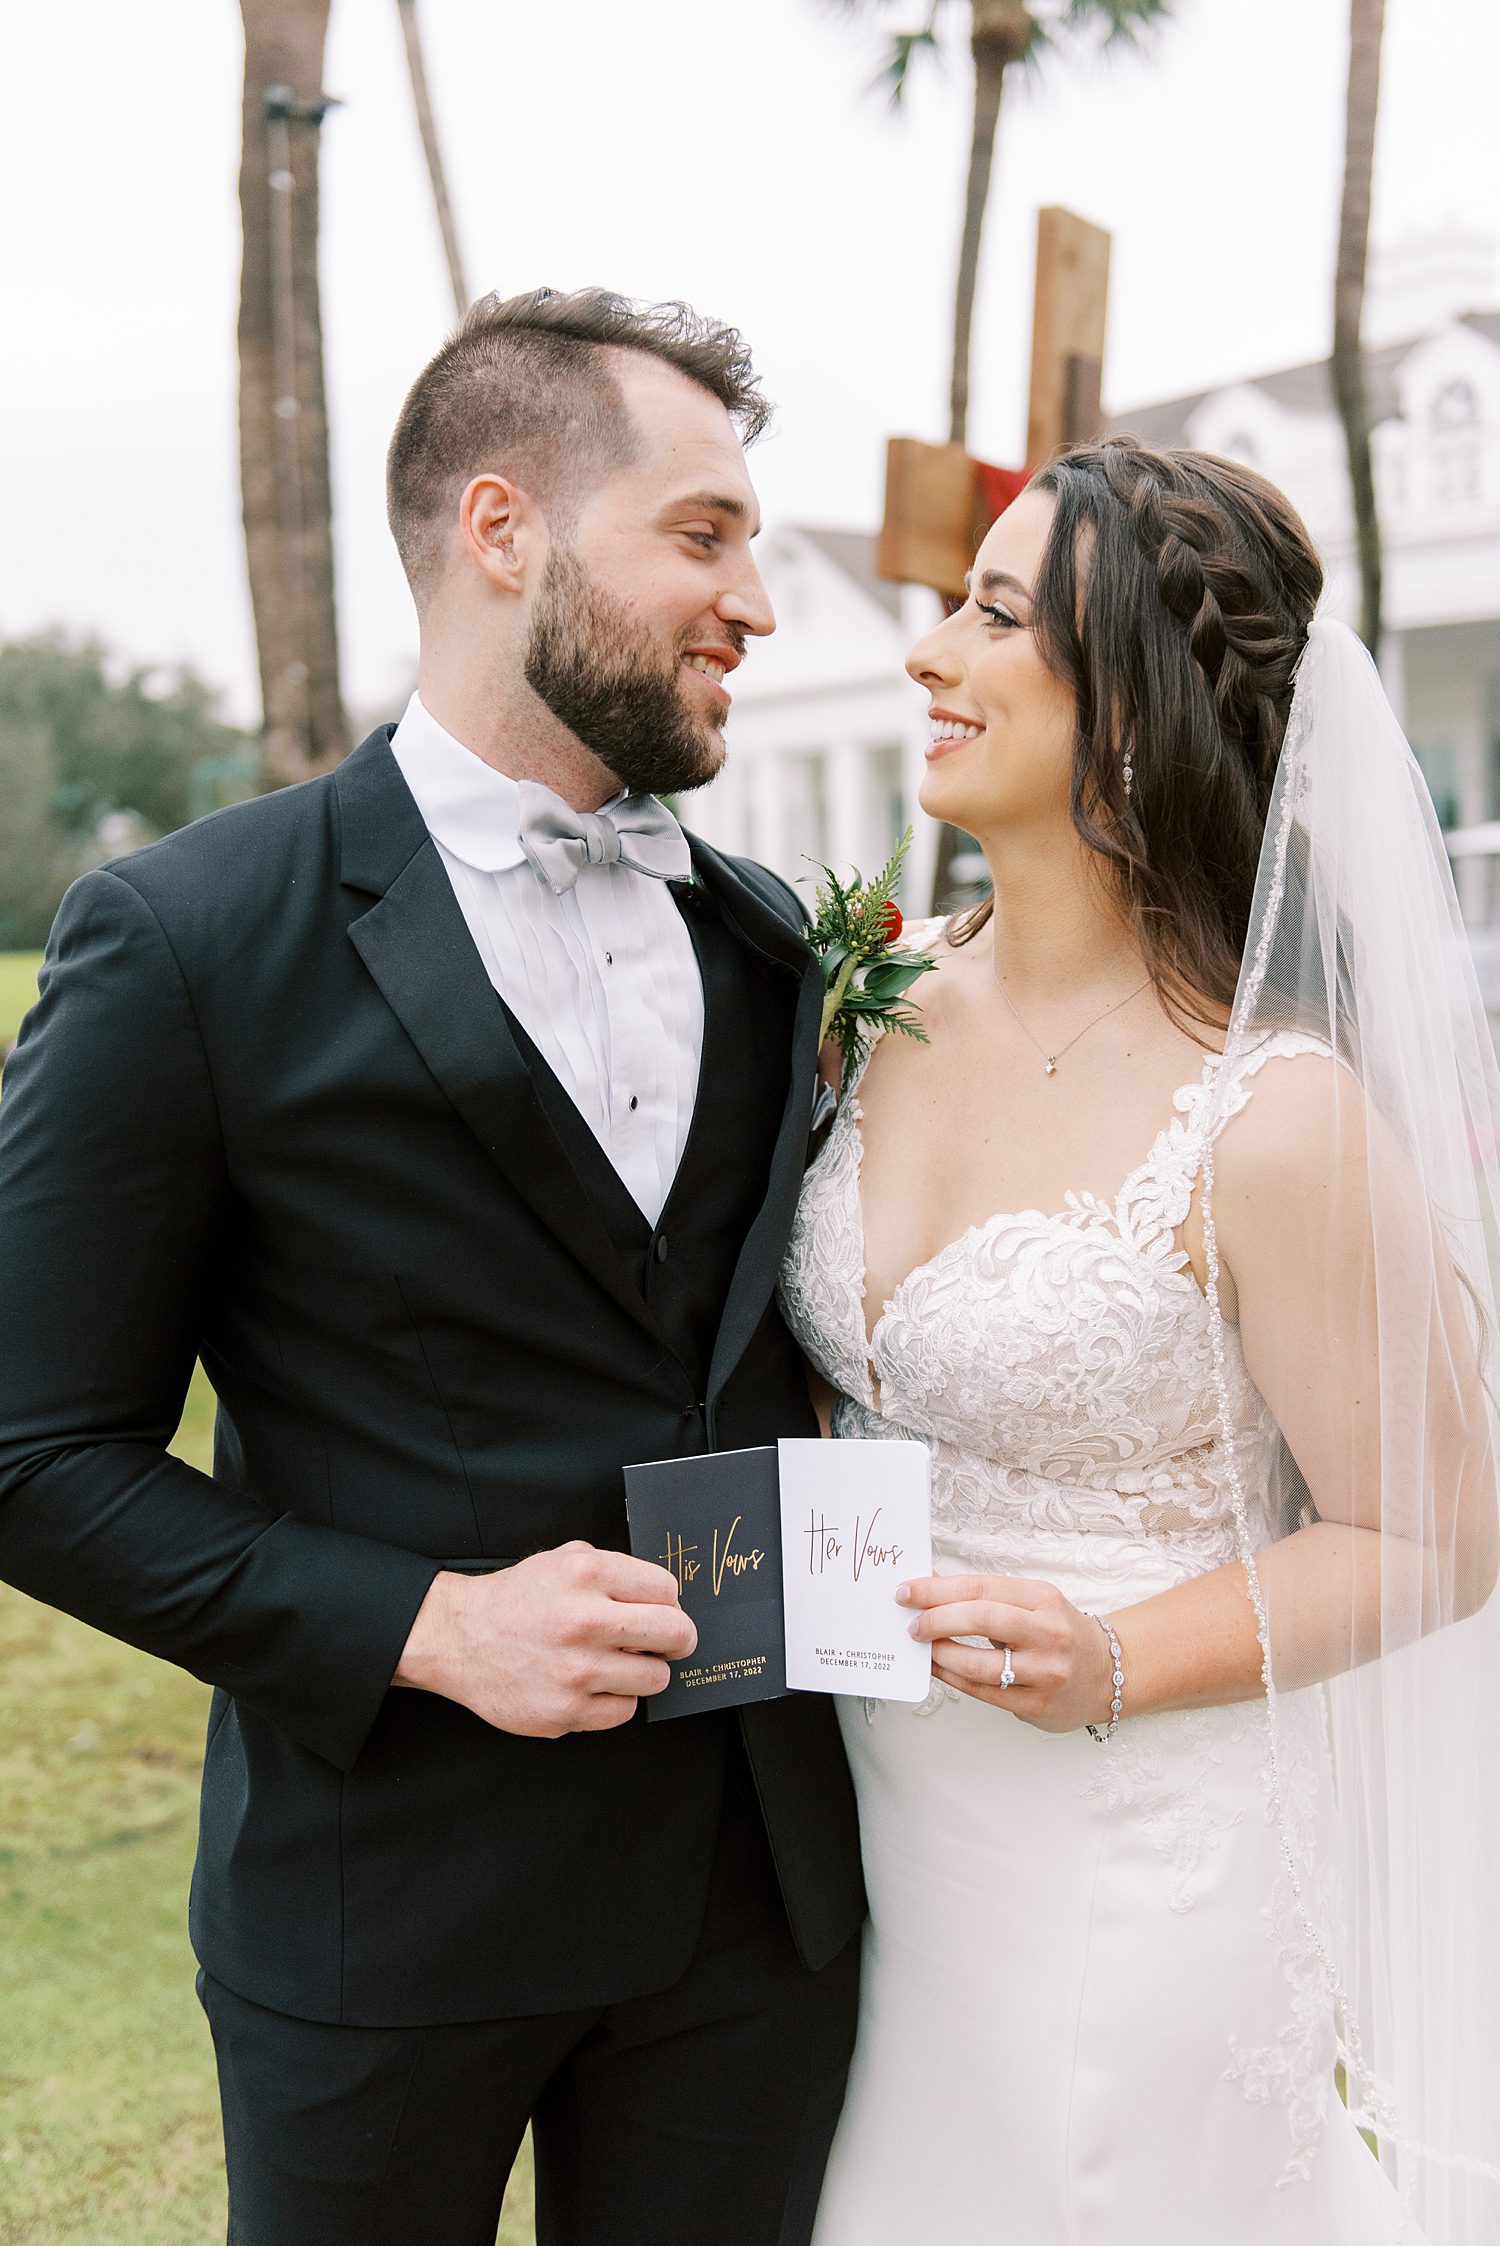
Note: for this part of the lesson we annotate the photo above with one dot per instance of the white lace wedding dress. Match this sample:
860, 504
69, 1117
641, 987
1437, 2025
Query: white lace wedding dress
1090, 2010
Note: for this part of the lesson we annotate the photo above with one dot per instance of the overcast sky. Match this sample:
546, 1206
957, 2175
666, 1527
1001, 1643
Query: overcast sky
730, 155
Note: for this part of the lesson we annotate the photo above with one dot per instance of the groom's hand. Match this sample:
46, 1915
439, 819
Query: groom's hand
566, 1641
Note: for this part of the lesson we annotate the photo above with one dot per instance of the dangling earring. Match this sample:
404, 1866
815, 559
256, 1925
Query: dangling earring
1129, 776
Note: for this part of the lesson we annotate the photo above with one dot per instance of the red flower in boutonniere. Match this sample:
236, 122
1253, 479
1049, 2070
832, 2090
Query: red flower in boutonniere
854, 932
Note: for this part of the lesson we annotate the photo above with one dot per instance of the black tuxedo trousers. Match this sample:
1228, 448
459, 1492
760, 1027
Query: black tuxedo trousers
698, 2115
269, 1111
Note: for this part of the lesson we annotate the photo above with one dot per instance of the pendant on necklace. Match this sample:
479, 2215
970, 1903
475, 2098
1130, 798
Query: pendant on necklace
1051, 1065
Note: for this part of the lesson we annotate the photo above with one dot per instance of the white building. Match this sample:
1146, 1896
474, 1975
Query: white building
1434, 397
827, 734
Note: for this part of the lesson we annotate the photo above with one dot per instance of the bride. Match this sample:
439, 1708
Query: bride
1169, 1240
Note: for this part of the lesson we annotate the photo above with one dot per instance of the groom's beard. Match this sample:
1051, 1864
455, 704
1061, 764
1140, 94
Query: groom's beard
598, 671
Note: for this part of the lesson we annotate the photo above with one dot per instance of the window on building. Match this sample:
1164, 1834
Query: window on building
1453, 433
1455, 406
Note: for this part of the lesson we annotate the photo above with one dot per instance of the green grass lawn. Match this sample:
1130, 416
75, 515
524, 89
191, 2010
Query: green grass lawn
17, 989
109, 2132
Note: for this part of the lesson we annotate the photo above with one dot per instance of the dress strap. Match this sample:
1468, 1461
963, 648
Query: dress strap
1156, 1197
921, 935
870, 1034
1226, 1087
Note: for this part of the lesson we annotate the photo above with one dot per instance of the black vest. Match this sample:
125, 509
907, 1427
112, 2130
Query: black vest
683, 1266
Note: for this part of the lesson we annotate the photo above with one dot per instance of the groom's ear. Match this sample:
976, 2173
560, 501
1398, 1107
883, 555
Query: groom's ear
503, 532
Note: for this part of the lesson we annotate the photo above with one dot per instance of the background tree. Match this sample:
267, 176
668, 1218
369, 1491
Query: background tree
1001, 33
284, 474
34, 865
93, 759
411, 32
1366, 27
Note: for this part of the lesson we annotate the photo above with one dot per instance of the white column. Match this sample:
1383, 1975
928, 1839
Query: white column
718, 812
764, 793
921, 863
849, 820
1393, 671
1473, 758
1471, 741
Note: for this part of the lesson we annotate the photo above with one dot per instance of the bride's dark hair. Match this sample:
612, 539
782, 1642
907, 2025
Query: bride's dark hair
1173, 598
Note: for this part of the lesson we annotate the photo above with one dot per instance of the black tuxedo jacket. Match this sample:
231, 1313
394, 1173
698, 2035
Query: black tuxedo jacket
270, 1111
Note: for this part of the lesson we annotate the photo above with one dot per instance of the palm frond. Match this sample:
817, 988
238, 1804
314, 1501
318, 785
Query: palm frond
879, 11
897, 66
1105, 24
905, 46
1123, 22
1043, 37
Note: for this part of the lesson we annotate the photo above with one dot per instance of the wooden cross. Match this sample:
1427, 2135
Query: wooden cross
939, 500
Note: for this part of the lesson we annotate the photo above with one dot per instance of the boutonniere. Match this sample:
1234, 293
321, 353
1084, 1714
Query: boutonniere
856, 934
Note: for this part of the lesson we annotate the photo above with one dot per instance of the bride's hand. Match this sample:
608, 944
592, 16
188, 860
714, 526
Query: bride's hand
1060, 1656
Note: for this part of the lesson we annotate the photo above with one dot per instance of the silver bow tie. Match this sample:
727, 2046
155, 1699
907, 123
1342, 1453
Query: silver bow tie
637, 832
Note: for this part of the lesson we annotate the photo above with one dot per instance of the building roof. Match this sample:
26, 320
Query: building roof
1301, 389
853, 551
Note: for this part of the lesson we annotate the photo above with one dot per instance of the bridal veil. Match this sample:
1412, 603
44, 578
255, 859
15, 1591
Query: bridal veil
1356, 942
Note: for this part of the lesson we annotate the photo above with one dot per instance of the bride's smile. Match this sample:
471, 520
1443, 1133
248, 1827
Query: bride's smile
1002, 723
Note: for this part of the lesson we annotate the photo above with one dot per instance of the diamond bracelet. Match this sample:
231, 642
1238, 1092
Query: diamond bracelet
1101, 1732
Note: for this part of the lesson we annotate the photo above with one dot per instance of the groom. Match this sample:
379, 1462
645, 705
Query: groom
453, 1109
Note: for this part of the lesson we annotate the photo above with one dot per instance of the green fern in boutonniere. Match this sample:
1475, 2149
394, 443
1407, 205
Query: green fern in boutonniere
856, 933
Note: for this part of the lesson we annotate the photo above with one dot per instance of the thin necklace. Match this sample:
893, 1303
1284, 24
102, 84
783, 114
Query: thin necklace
1050, 1060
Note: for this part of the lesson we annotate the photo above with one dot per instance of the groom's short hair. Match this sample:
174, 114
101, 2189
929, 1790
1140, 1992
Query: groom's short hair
525, 387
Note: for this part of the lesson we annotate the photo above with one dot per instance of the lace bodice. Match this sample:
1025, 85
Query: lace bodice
1059, 1365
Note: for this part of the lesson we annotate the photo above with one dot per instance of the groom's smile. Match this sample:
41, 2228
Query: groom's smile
711, 664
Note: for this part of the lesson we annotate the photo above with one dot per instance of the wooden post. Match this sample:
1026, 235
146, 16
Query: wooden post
1067, 333
938, 505
939, 501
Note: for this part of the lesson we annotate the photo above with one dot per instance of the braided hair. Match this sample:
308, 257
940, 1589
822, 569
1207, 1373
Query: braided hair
1173, 599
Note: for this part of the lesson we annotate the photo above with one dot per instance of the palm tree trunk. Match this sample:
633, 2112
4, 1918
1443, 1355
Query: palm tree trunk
427, 126
288, 509
1366, 24
989, 83
1000, 33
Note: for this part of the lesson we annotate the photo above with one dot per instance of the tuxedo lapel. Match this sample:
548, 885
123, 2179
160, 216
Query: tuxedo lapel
781, 946
757, 924
416, 945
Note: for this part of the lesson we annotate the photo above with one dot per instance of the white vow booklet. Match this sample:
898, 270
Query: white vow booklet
856, 1520
787, 1559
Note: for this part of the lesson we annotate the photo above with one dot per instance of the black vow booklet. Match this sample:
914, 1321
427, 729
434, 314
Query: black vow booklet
715, 1522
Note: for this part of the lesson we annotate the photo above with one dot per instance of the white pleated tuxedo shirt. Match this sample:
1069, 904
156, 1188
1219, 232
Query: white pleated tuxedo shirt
604, 979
